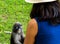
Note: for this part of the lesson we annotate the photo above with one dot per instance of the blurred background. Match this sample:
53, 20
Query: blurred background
12, 11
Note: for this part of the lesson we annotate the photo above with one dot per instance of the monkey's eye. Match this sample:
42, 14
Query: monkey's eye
17, 27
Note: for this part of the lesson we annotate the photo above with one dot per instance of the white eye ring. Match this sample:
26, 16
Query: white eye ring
16, 27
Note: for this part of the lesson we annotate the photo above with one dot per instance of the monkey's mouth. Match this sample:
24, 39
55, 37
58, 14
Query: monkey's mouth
19, 30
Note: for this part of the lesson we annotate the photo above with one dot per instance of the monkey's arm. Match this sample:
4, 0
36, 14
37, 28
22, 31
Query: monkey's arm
16, 39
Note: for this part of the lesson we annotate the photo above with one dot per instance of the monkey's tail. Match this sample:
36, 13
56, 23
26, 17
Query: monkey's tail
11, 40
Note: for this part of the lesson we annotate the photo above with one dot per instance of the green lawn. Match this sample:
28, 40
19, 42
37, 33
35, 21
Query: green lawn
12, 11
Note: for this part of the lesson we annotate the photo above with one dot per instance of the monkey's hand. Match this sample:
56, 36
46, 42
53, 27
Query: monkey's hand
17, 42
16, 39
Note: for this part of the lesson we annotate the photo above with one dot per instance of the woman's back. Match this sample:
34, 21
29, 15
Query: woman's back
47, 33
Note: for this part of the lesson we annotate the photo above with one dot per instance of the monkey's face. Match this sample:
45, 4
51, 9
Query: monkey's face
20, 29
17, 28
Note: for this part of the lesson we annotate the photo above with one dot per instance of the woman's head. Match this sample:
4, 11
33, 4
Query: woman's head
44, 11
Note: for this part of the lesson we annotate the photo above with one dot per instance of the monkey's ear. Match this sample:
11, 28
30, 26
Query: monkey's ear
21, 25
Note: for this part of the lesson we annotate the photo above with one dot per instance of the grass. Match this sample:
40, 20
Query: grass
12, 11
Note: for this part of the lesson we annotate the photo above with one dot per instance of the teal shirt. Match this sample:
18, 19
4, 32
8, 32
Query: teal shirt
47, 33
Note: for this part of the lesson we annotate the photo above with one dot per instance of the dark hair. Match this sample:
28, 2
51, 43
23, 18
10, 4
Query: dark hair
46, 11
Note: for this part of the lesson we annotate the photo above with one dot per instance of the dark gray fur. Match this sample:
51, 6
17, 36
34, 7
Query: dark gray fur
17, 37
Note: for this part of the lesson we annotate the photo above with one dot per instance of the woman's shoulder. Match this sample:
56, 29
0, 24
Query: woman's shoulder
32, 27
32, 22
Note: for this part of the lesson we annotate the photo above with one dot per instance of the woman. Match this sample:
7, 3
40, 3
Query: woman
44, 26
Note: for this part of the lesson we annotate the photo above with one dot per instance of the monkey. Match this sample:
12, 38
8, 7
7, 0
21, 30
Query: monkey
17, 35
